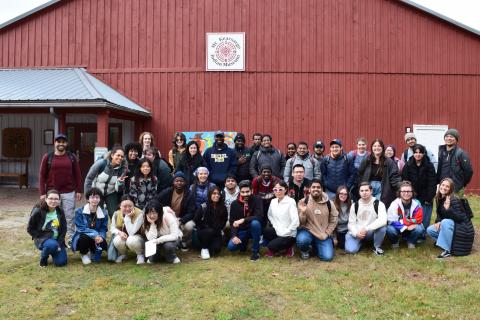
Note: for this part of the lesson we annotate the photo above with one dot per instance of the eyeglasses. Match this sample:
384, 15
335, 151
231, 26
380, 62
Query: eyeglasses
53, 199
278, 189
410, 139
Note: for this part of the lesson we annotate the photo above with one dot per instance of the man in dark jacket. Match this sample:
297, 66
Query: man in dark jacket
337, 169
454, 162
220, 160
267, 155
246, 217
244, 155
182, 202
318, 149
256, 141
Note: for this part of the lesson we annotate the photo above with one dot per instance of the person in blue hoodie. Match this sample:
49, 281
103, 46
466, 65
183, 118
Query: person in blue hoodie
220, 160
91, 224
337, 169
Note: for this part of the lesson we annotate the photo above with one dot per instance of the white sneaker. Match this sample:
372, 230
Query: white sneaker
86, 259
149, 261
176, 260
120, 258
140, 259
411, 246
205, 254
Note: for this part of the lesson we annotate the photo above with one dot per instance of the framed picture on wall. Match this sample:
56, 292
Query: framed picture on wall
48, 137
16, 142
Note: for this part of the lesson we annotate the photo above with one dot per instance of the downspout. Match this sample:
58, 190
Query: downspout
55, 116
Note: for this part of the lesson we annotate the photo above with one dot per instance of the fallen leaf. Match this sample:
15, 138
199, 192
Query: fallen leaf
23, 290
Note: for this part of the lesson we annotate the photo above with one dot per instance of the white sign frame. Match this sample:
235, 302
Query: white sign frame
233, 44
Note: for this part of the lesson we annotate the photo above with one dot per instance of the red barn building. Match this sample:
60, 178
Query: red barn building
314, 69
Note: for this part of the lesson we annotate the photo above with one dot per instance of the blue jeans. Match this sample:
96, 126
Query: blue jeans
411, 236
253, 232
376, 189
353, 244
427, 214
50, 248
324, 248
444, 236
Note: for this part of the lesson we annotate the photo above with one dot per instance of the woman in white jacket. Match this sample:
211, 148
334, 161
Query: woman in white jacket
283, 217
161, 227
126, 230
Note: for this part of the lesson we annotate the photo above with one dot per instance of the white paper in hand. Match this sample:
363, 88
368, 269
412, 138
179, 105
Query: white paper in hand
150, 248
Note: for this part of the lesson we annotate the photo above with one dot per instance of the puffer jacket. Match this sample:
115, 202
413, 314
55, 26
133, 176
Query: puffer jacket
267, 156
106, 179
337, 172
463, 233
460, 166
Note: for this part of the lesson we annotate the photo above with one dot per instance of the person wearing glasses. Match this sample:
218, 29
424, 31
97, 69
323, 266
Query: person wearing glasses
342, 202
48, 227
404, 217
175, 154
283, 216
91, 223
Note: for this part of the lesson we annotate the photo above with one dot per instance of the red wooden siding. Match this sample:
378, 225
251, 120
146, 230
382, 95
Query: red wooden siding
315, 69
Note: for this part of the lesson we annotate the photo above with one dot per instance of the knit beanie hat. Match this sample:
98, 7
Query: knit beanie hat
201, 169
409, 135
452, 132
239, 136
179, 174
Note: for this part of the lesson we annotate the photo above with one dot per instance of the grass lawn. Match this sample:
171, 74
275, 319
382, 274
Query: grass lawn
400, 285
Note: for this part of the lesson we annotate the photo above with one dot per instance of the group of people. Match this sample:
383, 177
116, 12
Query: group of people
229, 196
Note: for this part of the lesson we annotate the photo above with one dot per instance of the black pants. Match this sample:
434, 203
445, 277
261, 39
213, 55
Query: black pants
341, 239
210, 239
167, 250
276, 243
85, 244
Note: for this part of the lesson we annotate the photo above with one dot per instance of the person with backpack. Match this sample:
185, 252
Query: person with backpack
210, 219
318, 149
404, 217
318, 219
267, 155
143, 185
337, 169
104, 174
48, 227
367, 221
453, 229
60, 170
359, 153
244, 155
310, 164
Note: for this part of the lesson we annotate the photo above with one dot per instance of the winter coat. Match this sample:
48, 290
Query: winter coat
200, 193
243, 170
460, 166
36, 222
187, 205
463, 233
209, 217
142, 190
162, 171
83, 218
311, 165
390, 181
220, 161
423, 178
408, 153
337, 172
103, 176
188, 166
267, 156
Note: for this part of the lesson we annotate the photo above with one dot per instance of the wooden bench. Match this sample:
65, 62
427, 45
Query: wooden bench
15, 168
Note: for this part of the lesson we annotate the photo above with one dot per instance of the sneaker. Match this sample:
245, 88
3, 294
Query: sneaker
176, 260
69, 244
395, 245
444, 254
378, 251
255, 256
120, 258
269, 254
290, 252
140, 259
43, 262
97, 256
86, 259
411, 245
184, 247
205, 254
149, 261
304, 255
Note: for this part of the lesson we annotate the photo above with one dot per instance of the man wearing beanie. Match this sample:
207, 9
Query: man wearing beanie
411, 140
244, 155
454, 162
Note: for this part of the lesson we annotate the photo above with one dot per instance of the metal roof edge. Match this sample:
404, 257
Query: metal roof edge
122, 108
28, 13
81, 73
441, 16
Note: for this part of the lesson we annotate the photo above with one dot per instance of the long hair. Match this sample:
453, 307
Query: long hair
138, 172
210, 192
438, 196
372, 158
153, 205
337, 201
174, 140
140, 139
43, 204
188, 157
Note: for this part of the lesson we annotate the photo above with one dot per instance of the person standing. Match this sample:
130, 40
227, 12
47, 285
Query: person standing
318, 149
191, 160
454, 162
411, 140
60, 170
133, 151
175, 154
244, 155
267, 155
291, 150
220, 159
310, 164
256, 141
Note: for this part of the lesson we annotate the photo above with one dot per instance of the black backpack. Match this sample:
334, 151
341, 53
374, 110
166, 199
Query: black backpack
70, 156
375, 206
